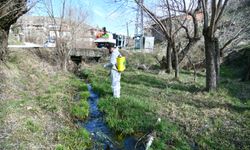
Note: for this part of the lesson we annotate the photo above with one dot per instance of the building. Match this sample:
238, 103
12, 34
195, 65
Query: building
159, 36
42, 29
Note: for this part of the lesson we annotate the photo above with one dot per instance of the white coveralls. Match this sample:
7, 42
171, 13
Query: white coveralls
115, 75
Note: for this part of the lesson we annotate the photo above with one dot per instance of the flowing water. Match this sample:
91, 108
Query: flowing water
103, 137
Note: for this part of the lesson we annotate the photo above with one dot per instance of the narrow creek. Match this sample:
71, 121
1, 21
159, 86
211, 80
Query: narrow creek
103, 138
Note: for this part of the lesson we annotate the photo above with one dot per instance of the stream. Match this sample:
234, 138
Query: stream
103, 138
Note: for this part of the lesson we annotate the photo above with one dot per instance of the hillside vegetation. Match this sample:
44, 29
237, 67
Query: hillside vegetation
191, 117
35, 104
37, 107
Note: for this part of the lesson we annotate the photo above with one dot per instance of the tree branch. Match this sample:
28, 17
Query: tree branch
205, 13
221, 11
233, 38
155, 19
213, 16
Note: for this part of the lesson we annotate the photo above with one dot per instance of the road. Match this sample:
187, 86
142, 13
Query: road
26, 44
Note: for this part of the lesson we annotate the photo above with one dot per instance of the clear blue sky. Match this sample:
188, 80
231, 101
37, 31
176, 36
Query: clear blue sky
101, 13
113, 16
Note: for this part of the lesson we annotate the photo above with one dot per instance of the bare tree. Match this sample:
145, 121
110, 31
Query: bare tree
234, 27
75, 17
177, 12
10, 11
57, 28
69, 22
212, 51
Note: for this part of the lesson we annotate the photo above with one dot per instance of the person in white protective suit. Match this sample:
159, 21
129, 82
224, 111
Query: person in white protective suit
115, 75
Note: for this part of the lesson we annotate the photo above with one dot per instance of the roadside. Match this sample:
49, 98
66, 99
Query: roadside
25, 45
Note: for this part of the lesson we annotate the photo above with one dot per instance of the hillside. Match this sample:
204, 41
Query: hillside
38, 109
35, 103
191, 117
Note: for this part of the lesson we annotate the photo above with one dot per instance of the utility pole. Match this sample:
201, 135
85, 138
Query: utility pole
139, 26
127, 29
127, 39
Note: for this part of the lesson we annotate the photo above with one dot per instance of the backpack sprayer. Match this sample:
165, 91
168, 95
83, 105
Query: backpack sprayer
121, 63
104, 39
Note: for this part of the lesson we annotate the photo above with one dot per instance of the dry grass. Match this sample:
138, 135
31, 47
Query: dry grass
34, 103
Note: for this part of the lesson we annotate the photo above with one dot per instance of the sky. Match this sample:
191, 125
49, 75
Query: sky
113, 16
101, 13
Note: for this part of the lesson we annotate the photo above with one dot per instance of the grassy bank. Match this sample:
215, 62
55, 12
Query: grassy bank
36, 101
191, 118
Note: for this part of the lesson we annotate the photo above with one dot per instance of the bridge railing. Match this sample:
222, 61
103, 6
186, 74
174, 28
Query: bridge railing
88, 52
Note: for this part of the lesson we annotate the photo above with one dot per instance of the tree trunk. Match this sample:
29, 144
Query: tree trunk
176, 65
183, 53
247, 77
217, 60
211, 63
4, 33
176, 62
169, 60
10, 11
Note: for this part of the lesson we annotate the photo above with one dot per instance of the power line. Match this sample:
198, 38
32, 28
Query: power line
139, 25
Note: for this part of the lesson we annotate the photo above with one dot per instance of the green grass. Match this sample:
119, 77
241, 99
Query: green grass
190, 117
31, 126
37, 108
80, 110
35, 111
84, 94
73, 139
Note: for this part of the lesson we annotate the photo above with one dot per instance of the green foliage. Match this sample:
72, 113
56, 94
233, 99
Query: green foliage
169, 132
180, 104
78, 84
227, 72
77, 139
60, 147
86, 74
80, 110
134, 113
124, 120
84, 95
236, 65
